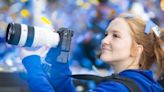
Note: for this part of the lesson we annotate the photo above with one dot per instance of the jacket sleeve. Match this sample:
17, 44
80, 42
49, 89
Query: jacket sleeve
60, 77
36, 78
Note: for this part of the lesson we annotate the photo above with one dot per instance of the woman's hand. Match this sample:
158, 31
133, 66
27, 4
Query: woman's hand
24, 52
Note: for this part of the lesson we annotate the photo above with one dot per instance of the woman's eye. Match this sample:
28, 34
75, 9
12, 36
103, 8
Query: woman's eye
115, 35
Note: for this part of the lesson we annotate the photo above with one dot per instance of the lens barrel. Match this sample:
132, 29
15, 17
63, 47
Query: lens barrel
31, 36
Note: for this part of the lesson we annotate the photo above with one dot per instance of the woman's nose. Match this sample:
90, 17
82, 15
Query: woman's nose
107, 40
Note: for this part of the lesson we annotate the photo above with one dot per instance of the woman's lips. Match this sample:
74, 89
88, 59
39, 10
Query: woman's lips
106, 49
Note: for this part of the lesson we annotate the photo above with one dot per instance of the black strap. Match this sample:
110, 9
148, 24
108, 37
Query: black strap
129, 83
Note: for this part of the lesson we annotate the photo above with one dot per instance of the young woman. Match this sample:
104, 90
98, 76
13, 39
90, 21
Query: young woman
131, 46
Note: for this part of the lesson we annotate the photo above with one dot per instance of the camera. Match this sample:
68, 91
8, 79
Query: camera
33, 36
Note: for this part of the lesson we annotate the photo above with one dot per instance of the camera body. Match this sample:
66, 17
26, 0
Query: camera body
62, 50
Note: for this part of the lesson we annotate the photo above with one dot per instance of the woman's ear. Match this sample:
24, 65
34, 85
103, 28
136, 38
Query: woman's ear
140, 49
136, 50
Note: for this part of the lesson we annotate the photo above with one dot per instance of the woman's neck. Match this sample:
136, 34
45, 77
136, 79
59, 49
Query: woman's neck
119, 66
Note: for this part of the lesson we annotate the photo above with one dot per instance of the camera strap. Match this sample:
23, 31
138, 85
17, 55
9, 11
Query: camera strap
129, 83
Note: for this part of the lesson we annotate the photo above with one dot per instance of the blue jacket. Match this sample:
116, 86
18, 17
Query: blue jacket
60, 82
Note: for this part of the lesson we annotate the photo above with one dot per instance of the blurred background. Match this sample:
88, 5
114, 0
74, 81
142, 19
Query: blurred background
87, 18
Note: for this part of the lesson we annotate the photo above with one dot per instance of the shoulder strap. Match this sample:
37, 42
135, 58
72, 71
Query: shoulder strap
129, 83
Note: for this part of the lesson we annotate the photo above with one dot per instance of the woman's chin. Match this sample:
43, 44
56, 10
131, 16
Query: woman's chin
105, 58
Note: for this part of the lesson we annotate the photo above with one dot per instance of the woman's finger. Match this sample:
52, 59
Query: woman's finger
43, 51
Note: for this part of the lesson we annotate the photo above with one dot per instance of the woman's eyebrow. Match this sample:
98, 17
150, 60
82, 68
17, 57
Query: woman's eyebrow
113, 31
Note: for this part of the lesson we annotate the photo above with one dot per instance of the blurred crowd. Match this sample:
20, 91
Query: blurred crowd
87, 18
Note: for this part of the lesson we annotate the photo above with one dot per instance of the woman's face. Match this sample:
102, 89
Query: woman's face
116, 46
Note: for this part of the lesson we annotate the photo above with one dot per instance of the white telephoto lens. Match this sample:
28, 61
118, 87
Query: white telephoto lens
45, 37
31, 36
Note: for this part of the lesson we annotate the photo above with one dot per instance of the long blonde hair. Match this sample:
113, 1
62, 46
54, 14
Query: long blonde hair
153, 52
